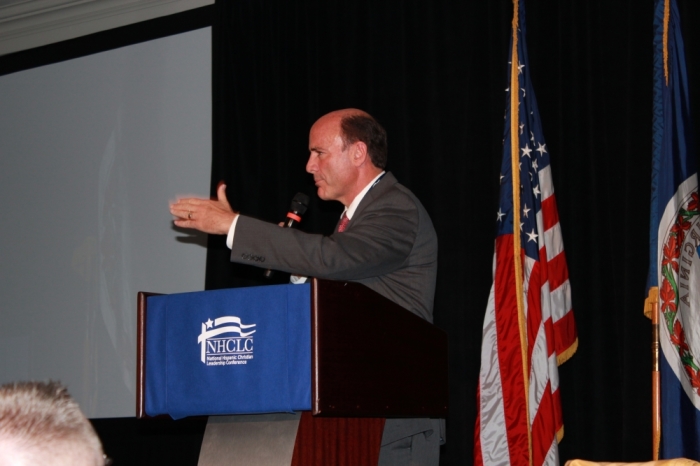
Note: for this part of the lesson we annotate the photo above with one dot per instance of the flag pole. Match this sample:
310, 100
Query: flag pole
517, 255
652, 311
651, 306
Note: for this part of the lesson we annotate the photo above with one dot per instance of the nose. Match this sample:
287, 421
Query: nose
311, 165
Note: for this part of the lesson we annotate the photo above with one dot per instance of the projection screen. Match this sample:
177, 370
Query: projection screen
92, 150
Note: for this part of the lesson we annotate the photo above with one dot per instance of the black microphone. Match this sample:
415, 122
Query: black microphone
296, 210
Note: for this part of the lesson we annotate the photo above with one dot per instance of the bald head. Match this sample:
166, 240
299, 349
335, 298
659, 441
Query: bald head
347, 150
358, 125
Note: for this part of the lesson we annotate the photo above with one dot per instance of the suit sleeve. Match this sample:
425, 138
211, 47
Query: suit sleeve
376, 242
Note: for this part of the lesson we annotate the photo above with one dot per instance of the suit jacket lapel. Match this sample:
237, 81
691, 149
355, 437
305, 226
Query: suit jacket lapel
387, 181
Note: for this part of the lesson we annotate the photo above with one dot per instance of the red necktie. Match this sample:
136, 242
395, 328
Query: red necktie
343, 223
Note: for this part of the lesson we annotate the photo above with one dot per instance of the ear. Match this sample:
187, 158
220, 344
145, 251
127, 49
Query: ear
359, 154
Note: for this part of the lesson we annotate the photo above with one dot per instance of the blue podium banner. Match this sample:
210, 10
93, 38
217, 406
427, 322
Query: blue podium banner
234, 351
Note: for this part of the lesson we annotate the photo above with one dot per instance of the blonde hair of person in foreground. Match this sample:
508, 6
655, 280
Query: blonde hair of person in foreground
40, 424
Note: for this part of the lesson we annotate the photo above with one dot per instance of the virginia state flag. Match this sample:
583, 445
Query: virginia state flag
675, 240
529, 326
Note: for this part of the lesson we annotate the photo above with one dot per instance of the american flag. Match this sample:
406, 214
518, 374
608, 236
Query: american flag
529, 326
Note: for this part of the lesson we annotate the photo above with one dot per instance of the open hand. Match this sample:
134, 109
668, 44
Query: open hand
213, 216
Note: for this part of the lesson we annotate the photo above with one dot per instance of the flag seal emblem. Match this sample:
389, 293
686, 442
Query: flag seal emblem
680, 272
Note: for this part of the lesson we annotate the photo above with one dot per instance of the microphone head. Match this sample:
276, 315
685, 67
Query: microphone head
299, 204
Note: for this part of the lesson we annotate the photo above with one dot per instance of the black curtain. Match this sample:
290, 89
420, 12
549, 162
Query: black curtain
434, 73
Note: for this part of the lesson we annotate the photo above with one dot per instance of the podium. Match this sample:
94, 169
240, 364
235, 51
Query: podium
368, 359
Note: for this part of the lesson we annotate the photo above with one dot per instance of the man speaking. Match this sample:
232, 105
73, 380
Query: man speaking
384, 240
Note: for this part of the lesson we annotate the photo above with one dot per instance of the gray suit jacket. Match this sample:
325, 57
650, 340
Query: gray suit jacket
389, 245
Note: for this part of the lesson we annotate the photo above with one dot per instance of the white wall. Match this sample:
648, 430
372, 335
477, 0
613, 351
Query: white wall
25, 24
91, 152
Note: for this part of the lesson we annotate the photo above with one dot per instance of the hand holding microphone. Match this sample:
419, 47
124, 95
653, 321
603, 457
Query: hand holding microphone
297, 208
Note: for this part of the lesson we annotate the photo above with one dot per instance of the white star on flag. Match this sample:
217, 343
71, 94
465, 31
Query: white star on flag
532, 236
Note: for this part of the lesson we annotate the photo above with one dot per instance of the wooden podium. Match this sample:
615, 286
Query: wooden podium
371, 359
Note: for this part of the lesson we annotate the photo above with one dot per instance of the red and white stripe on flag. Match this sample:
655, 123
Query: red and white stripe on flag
502, 430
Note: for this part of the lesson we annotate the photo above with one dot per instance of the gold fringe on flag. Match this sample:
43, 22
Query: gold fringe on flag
567, 353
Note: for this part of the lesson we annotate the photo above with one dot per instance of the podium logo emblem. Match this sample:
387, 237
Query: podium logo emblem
226, 341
